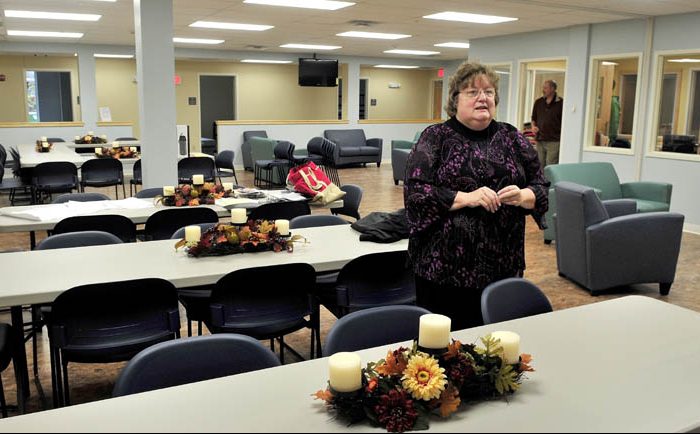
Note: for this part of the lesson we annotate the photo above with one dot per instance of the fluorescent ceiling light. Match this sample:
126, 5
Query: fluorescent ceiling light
328, 5
415, 52
114, 56
44, 34
373, 35
686, 60
469, 18
51, 15
198, 41
311, 47
608, 63
453, 44
264, 61
230, 26
396, 66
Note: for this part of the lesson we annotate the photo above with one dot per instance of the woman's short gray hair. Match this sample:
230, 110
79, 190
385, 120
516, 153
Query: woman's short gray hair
465, 76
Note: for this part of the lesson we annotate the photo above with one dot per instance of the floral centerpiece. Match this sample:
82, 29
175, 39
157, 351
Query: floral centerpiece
255, 236
118, 152
90, 138
402, 391
43, 145
193, 195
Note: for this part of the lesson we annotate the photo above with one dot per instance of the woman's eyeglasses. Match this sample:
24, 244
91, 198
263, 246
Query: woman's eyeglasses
473, 93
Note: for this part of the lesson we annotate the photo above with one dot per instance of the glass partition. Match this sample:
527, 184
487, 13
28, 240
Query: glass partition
677, 113
532, 77
612, 105
39, 88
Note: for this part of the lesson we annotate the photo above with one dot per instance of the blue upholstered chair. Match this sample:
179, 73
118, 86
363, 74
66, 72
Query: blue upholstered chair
373, 327
599, 252
192, 359
512, 298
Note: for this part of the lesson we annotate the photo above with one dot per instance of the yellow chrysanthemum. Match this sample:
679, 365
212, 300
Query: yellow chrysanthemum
424, 378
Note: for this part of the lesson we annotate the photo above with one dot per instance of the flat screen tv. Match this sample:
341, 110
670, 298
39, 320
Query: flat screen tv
318, 72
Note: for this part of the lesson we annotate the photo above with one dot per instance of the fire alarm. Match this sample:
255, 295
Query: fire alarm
2, 77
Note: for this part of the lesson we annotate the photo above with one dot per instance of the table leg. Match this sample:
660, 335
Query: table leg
32, 240
20, 358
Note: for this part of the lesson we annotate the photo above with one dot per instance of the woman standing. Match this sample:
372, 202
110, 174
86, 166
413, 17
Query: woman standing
470, 182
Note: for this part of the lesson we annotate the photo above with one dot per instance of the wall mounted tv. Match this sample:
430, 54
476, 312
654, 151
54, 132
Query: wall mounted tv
318, 72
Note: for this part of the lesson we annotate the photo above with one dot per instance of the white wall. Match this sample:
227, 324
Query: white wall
577, 44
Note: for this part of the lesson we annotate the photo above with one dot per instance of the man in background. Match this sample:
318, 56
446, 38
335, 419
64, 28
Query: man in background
546, 123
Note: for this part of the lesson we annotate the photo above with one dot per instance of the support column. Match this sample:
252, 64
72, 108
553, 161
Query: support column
155, 71
353, 92
88, 88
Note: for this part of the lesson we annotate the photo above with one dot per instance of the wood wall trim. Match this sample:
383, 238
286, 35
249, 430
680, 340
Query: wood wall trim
115, 124
40, 124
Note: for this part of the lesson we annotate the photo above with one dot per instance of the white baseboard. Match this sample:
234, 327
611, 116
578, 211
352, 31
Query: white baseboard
693, 229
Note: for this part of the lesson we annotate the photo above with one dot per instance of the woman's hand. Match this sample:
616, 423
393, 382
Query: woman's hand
515, 196
481, 197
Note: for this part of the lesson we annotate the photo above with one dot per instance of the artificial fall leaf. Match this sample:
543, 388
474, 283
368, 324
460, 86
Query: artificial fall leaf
506, 380
266, 227
525, 360
449, 401
324, 394
244, 234
392, 365
453, 350
180, 243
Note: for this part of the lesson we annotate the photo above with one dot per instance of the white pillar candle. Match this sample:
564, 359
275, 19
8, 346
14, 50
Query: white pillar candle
90, 133
104, 137
282, 226
43, 138
98, 151
239, 216
132, 148
44, 144
434, 331
168, 190
115, 144
193, 234
344, 372
227, 186
76, 138
511, 345
198, 179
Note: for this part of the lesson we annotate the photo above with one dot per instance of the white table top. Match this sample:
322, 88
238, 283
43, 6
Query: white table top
29, 157
8, 223
108, 144
623, 365
39, 276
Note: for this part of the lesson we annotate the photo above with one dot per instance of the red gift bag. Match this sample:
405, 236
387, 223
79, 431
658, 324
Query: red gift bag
307, 179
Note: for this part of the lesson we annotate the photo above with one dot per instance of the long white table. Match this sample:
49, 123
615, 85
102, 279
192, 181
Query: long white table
29, 157
624, 365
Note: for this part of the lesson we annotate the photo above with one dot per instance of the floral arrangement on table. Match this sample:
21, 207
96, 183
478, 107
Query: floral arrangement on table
193, 195
117, 152
90, 138
401, 391
42, 145
254, 236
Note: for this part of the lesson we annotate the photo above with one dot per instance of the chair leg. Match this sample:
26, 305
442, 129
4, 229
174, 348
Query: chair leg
2, 399
123, 190
56, 388
116, 191
282, 349
199, 328
189, 328
36, 327
66, 392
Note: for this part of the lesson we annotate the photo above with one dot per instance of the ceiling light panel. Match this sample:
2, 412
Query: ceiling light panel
51, 15
311, 47
198, 41
328, 5
453, 45
414, 52
44, 34
469, 18
114, 56
265, 61
230, 26
373, 35
396, 66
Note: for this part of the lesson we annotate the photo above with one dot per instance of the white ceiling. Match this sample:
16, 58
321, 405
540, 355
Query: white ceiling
293, 25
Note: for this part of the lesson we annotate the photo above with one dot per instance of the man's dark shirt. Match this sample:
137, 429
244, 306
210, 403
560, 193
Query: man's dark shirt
547, 117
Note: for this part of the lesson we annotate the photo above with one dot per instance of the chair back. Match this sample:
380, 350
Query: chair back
137, 177
80, 197
113, 321
7, 350
247, 135
280, 210
102, 170
374, 327
262, 148
224, 159
600, 175
55, 176
512, 298
162, 224
180, 233
55, 140
351, 201
193, 359
78, 239
284, 150
350, 137
263, 302
310, 221
149, 192
376, 279
196, 166
3, 156
118, 225
134, 139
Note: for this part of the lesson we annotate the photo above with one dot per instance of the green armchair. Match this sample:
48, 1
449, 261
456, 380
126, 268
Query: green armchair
399, 156
601, 176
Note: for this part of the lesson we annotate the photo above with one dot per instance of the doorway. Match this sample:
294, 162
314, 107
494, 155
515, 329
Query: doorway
217, 96
533, 75
49, 97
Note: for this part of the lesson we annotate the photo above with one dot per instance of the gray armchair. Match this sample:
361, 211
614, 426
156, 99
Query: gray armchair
399, 156
354, 147
246, 148
599, 252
